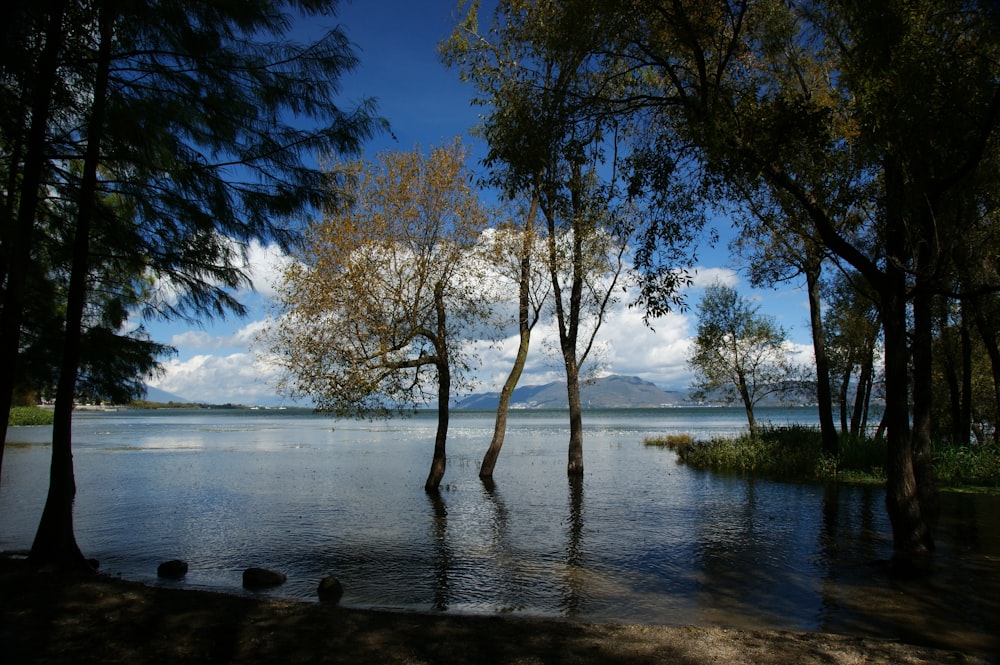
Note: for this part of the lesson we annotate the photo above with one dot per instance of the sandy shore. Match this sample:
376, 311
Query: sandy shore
47, 617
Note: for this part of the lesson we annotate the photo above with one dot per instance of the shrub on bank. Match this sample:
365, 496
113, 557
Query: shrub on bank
795, 451
29, 415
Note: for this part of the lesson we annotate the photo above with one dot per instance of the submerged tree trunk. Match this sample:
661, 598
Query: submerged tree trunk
824, 397
443, 365
911, 534
500, 425
524, 326
55, 541
575, 462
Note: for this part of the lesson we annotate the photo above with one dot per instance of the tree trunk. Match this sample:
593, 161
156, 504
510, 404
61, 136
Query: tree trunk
923, 398
860, 413
524, 325
965, 415
55, 541
444, 393
18, 243
575, 462
500, 425
568, 321
741, 386
824, 398
845, 387
911, 536
988, 335
951, 379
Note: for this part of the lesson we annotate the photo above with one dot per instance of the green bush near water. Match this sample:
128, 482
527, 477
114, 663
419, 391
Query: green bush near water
29, 415
672, 441
795, 452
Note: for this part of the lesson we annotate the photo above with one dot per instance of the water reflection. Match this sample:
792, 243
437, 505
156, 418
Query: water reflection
575, 570
443, 558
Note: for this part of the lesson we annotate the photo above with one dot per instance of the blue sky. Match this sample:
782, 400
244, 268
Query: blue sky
427, 105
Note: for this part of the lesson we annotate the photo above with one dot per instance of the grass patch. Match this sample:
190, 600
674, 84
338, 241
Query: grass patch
795, 452
967, 466
21, 416
790, 452
671, 441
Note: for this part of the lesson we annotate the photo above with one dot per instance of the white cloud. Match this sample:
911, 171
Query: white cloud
265, 266
237, 378
702, 277
194, 339
200, 340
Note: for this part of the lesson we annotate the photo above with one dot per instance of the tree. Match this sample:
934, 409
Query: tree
739, 351
190, 116
372, 315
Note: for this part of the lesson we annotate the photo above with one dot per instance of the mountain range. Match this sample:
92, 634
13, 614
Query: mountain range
609, 392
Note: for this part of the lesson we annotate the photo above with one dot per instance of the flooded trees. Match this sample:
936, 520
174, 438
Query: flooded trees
545, 144
372, 312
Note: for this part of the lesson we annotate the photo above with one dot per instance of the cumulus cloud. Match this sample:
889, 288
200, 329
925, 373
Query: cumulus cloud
237, 378
265, 264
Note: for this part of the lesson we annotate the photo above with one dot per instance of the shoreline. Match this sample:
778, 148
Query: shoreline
54, 617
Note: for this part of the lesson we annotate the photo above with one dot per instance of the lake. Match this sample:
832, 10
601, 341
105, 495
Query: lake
640, 539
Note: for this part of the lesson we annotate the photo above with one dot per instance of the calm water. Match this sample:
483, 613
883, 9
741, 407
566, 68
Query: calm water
640, 539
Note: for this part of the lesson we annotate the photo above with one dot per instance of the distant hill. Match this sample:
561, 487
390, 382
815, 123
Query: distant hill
162, 396
609, 392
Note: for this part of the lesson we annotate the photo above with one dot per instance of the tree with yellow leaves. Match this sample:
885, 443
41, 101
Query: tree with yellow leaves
373, 312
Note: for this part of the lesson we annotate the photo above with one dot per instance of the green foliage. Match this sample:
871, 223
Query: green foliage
22, 416
774, 451
170, 146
